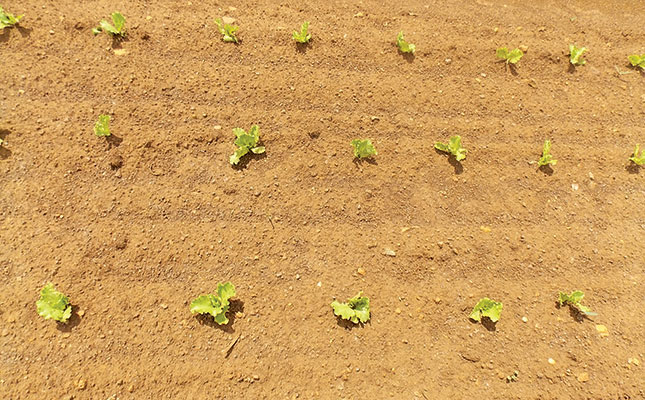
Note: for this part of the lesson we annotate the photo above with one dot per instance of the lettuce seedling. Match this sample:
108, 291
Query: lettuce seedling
636, 159
547, 158
574, 300
404, 46
102, 126
246, 142
363, 148
575, 55
8, 20
303, 36
637, 61
118, 30
216, 304
486, 308
453, 147
227, 31
355, 309
511, 57
53, 304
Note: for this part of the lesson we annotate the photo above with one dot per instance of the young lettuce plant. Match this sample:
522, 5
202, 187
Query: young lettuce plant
8, 20
363, 148
453, 147
574, 300
547, 158
637, 61
575, 55
216, 304
53, 304
511, 57
102, 126
228, 31
117, 30
486, 308
356, 309
636, 159
303, 36
246, 142
404, 46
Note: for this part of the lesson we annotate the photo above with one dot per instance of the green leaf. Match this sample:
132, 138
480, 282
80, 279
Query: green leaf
102, 126
404, 46
363, 148
636, 159
246, 142
119, 22
117, 30
303, 36
511, 57
575, 55
228, 31
356, 309
215, 304
574, 300
453, 147
637, 61
486, 308
53, 304
547, 158
8, 20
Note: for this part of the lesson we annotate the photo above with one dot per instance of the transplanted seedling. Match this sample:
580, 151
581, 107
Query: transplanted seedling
246, 142
8, 20
303, 36
547, 158
511, 57
453, 147
356, 309
117, 30
574, 300
363, 148
102, 126
486, 308
228, 31
53, 304
404, 46
637, 61
575, 55
636, 159
216, 304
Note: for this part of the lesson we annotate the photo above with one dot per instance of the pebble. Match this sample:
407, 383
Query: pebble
524, 48
524, 319
361, 271
574, 186
551, 361
120, 52
602, 330
81, 384
448, 60
389, 252
583, 377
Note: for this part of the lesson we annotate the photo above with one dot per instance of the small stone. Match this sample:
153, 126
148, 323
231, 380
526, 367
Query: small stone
358, 15
398, 311
120, 52
574, 186
131, 388
389, 252
485, 229
583, 377
256, 378
228, 20
81, 313
634, 361
319, 284
437, 300
551, 361
164, 306
602, 330
524, 48
361, 271
524, 319
448, 60
80, 384
542, 29
217, 127
51, 32
5, 332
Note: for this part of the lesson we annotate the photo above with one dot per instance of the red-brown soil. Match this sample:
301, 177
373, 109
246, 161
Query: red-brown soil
133, 229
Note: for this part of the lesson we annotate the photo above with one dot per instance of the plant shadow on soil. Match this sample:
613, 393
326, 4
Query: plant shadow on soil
546, 169
486, 323
510, 67
574, 312
113, 141
633, 168
409, 57
303, 47
349, 325
359, 161
4, 152
244, 161
459, 169
207, 319
71, 323
6, 33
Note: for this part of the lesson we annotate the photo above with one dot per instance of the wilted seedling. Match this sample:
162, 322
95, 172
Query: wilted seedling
547, 158
355, 309
228, 31
511, 57
53, 304
117, 30
102, 126
303, 36
636, 159
486, 308
216, 304
404, 46
637, 61
575, 55
363, 148
246, 142
8, 20
453, 147
574, 300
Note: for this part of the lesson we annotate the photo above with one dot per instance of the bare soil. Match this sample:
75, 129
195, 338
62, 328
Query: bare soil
133, 228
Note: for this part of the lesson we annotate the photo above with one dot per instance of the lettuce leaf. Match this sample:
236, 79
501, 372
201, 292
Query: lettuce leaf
246, 142
636, 159
53, 304
512, 56
574, 300
486, 308
355, 309
102, 126
363, 148
453, 147
637, 60
575, 55
216, 304
303, 36
547, 158
8, 20
228, 31
404, 46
